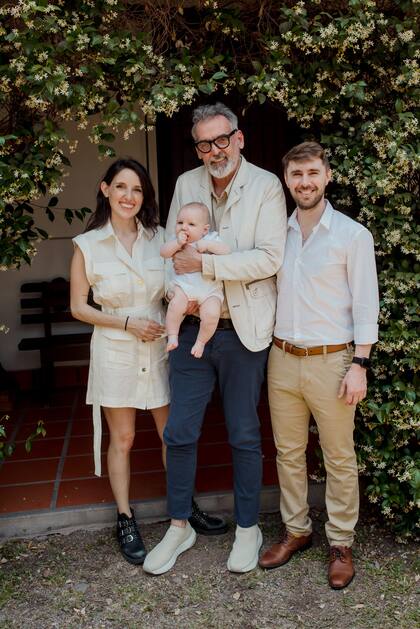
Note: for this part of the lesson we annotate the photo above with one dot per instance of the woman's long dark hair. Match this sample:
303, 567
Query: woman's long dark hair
148, 215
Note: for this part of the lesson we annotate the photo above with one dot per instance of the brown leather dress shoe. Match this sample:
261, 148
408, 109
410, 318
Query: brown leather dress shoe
280, 553
341, 570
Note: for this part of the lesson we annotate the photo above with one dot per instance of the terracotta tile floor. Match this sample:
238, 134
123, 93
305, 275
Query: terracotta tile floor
58, 473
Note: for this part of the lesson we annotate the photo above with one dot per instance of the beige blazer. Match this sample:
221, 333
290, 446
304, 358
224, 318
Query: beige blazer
254, 225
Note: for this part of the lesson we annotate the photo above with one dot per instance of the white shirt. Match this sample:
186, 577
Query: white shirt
328, 288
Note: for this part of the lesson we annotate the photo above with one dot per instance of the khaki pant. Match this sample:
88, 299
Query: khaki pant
297, 387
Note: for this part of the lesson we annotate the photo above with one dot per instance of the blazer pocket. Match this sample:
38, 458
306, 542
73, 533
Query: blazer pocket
262, 288
263, 304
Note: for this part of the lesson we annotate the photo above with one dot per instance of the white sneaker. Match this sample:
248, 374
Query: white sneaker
245, 549
163, 556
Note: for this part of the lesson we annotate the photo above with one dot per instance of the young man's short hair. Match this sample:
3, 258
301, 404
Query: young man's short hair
304, 151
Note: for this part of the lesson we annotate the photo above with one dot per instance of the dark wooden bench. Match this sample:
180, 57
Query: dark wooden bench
48, 304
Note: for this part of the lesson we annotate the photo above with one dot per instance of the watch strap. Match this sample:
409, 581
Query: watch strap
362, 361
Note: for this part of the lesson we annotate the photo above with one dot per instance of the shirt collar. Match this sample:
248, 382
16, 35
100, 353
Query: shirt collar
327, 216
107, 231
325, 219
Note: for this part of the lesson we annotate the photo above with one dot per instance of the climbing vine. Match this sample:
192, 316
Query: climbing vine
346, 72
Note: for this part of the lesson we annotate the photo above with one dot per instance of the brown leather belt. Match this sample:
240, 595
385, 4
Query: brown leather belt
223, 324
309, 351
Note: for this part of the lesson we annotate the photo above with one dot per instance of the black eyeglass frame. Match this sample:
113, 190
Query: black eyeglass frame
210, 142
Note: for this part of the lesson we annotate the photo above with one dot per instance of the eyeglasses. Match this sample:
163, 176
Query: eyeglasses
222, 142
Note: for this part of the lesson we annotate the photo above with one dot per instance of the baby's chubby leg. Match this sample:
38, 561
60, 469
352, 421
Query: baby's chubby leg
209, 317
174, 317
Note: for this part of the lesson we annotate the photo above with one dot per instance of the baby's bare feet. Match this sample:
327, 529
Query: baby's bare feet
172, 342
197, 349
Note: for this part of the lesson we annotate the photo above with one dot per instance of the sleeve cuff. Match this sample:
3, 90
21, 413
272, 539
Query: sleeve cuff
207, 261
365, 334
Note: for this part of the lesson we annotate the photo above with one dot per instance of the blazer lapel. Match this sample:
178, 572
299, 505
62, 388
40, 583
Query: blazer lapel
234, 196
205, 192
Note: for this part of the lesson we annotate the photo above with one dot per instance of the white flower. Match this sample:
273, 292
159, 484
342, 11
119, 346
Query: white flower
406, 36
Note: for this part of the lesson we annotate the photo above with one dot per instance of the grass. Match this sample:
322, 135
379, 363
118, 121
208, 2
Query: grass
40, 579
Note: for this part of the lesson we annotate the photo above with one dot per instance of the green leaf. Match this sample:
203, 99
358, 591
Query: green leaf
219, 75
108, 137
50, 214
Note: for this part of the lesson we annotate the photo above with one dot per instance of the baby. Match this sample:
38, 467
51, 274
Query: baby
192, 228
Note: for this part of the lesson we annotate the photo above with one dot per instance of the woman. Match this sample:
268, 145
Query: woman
118, 256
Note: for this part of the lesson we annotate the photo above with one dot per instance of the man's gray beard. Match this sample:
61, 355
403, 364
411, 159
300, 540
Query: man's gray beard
221, 171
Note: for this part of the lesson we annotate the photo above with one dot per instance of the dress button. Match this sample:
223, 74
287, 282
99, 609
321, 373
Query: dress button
143, 369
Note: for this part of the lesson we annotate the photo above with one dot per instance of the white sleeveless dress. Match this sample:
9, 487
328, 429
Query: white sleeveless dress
124, 371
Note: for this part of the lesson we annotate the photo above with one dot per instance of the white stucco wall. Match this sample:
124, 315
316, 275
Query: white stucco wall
53, 257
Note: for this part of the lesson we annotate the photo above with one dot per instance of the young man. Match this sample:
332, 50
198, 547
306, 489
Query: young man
247, 208
327, 299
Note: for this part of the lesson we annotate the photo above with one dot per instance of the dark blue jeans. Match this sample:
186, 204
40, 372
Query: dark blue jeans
240, 374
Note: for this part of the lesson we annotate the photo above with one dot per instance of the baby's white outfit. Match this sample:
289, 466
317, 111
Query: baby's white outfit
195, 286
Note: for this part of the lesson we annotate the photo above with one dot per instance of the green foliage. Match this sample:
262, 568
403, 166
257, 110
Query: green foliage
347, 72
7, 448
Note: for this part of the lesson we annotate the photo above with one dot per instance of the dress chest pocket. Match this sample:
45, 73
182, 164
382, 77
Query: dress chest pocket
112, 284
155, 276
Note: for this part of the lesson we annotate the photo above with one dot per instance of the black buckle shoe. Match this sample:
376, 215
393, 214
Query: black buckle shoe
206, 524
129, 539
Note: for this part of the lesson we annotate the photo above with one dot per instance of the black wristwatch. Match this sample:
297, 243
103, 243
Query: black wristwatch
363, 362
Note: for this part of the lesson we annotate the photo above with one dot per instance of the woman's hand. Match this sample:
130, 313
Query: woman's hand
144, 329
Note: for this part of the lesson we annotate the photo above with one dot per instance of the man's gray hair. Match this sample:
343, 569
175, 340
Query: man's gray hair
210, 111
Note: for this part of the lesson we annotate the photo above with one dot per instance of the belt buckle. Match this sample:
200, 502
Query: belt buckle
306, 352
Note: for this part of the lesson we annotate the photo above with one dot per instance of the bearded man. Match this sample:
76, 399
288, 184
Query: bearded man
327, 300
247, 208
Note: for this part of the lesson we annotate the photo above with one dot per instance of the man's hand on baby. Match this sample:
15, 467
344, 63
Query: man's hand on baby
201, 246
192, 307
187, 260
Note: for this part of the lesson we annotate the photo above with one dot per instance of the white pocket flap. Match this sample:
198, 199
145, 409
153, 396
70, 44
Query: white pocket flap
154, 264
117, 335
262, 288
107, 269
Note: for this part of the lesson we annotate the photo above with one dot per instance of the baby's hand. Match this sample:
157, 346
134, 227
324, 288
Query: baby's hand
201, 246
182, 238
